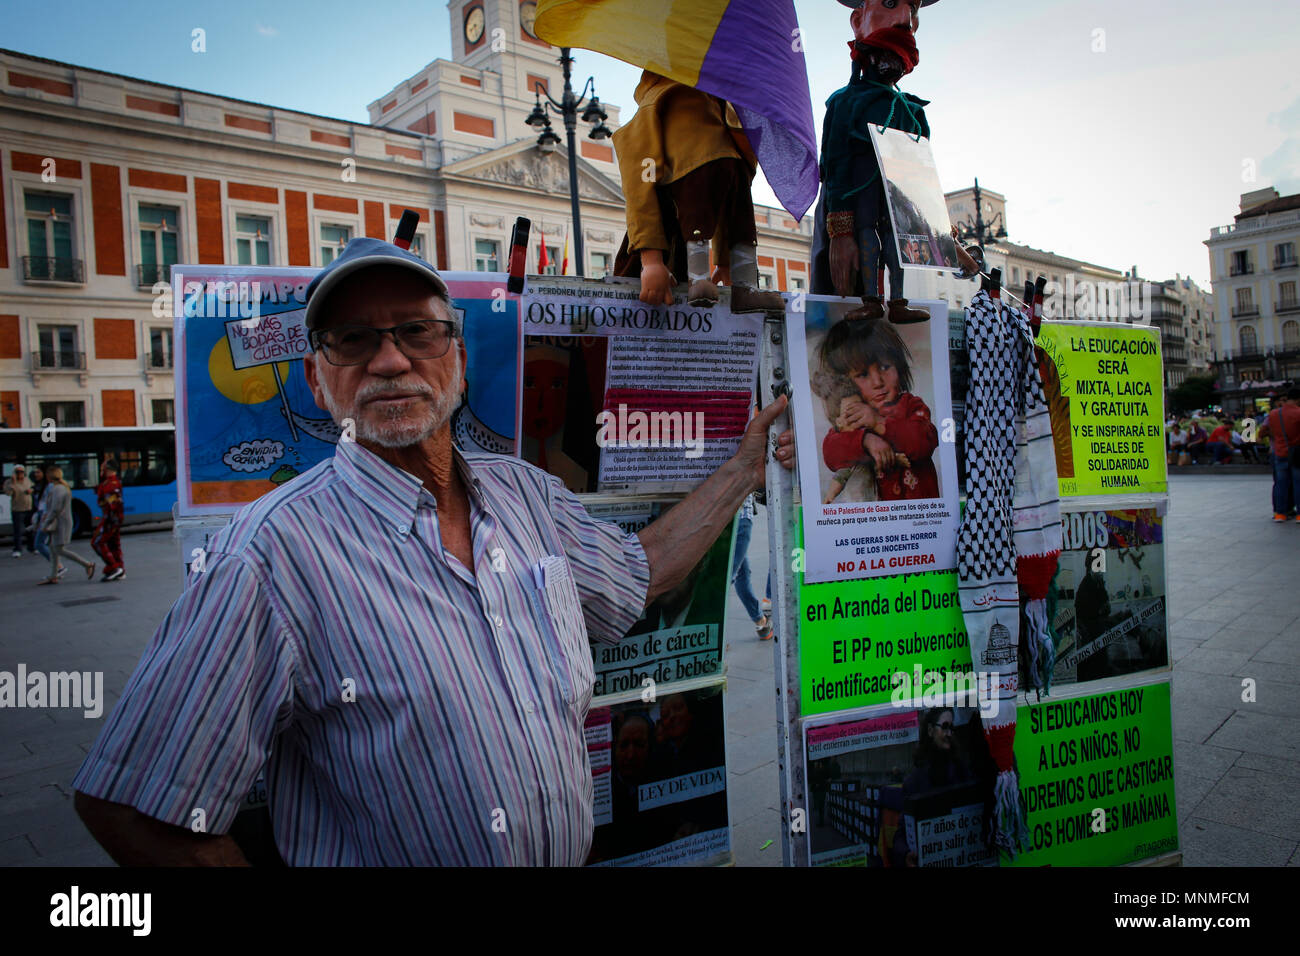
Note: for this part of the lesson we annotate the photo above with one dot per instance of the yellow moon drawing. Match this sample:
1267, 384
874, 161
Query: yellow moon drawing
248, 386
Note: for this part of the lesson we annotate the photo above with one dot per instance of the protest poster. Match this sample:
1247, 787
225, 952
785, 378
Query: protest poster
623, 396
1096, 773
1104, 388
873, 426
1111, 613
918, 210
660, 776
881, 640
898, 788
680, 636
246, 421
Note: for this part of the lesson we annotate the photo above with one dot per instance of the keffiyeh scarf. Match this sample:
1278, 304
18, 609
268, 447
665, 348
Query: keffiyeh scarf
1010, 536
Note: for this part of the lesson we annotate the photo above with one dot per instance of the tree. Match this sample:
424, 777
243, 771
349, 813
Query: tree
1196, 391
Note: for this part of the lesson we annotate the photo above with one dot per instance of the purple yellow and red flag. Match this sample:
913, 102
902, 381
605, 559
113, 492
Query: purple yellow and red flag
748, 52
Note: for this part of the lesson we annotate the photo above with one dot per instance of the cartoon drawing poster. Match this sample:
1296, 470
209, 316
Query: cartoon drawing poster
246, 422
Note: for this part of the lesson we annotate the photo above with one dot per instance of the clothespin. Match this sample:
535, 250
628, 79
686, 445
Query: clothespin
406, 229
995, 284
1038, 302
1029, 305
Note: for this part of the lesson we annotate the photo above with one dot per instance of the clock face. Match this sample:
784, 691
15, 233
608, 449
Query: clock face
528, 14
474, 25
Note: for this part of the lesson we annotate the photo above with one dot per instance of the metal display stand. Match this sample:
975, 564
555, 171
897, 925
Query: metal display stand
784, 539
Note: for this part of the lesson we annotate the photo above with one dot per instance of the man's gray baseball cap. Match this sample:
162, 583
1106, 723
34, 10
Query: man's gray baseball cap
362, 254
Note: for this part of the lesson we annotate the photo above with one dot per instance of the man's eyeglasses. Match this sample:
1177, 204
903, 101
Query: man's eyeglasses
358, 344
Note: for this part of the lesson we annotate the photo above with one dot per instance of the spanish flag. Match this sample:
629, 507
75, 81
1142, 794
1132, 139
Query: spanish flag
748, 52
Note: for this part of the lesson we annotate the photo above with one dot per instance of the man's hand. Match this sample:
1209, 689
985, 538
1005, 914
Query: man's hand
675, 542
844, 264
752, 453
656, 281
784, 453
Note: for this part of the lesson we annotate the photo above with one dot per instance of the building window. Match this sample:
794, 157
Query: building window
65, 414
487, 255
1241, 263
796, 284
601, 265
160, 348
1291, 335
1284, 254
49, 238
765, 281
333, 240
1249, 345
159, 242
1245, 300
1286, 294
252, 241
58, 347
1015, 277
164, 411
552, 267
417, 246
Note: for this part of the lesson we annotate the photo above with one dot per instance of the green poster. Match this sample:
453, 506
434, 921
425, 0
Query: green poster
1097, 776
1104, 388
863, 642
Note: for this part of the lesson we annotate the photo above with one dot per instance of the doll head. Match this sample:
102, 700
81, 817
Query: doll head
832, 388
872, 354
884, 34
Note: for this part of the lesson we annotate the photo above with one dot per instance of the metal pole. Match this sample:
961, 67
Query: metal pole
570, 110
979, 217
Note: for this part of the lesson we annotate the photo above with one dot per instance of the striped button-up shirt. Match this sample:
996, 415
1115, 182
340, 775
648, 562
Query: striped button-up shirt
406, 709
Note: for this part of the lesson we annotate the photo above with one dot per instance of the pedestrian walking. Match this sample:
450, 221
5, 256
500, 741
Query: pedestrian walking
107, 540
19, 489
41, 538
58, 523
740, 572
1283, 428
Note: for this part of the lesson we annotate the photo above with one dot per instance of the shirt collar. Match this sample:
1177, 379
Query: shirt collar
389, 490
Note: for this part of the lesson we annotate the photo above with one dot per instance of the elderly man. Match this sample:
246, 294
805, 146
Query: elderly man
399, 634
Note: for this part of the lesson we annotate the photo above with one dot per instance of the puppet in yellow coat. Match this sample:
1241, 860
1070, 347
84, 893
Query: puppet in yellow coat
686, 167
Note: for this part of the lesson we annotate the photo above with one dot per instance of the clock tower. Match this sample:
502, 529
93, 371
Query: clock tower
497, 36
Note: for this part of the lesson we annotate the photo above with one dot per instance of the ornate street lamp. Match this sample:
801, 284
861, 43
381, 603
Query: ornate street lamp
979, 230
567, 107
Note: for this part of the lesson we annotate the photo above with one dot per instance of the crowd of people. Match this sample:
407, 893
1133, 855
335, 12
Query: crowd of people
1271, 438
43, 504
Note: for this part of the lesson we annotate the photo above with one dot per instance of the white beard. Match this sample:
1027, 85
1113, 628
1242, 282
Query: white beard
400, 432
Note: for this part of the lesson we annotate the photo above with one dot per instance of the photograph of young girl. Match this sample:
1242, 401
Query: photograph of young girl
875, 440
880, 438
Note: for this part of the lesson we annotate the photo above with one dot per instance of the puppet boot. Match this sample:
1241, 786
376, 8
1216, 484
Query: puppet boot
901, 314
702, 291
871, 308
745, 294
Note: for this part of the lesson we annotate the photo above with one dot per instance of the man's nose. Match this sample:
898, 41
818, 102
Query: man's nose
389, 360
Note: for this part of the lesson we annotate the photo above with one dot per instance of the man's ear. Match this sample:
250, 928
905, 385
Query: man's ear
309, 370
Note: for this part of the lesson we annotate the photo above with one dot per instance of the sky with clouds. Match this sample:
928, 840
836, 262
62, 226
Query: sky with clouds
1119, 132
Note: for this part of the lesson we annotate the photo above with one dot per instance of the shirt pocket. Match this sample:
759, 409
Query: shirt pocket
565, 630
